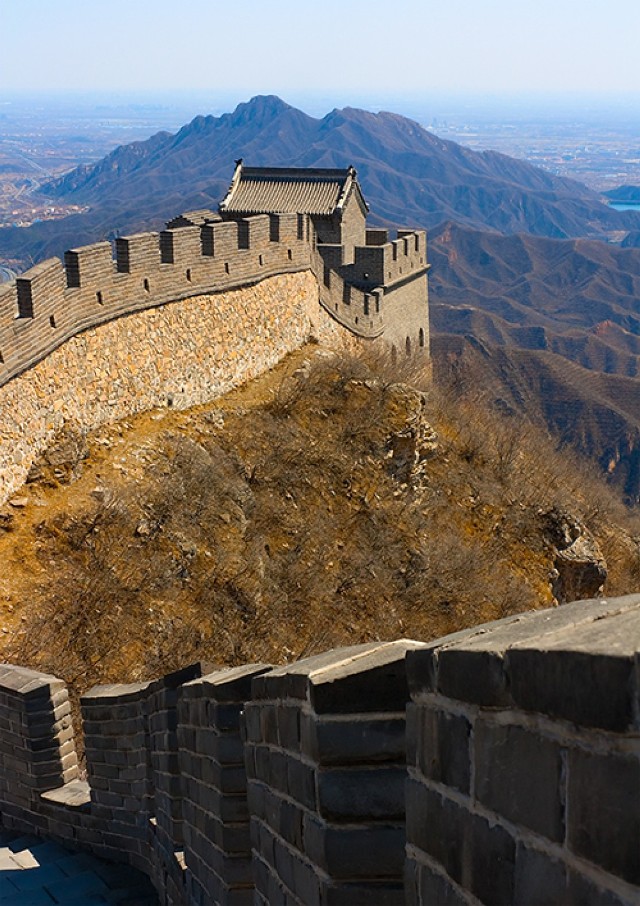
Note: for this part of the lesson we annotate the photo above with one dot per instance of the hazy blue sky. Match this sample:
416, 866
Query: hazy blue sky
324, 48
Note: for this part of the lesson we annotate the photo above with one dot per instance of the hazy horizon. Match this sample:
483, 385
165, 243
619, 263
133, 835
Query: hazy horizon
530, 106
332, 51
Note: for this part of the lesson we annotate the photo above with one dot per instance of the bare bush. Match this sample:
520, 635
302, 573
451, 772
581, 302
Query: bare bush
288, 532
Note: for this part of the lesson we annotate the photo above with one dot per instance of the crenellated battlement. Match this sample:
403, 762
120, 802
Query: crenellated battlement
54, 301
354, 294
496, 765
385, 263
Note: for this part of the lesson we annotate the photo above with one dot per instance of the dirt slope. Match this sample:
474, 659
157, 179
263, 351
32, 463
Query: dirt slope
328, 502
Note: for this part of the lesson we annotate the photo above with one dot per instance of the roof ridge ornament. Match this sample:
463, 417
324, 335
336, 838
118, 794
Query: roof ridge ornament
235, 181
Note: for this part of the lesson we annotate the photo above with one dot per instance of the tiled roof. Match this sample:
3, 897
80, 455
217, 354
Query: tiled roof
257, 190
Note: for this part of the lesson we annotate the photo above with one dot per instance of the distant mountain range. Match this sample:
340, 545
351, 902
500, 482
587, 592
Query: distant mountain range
577, 298
522, 283
410, 177
548, 329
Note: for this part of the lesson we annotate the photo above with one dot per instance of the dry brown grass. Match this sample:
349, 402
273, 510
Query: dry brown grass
282, 520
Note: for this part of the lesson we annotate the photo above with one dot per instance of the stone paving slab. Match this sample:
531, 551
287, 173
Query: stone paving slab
35, 872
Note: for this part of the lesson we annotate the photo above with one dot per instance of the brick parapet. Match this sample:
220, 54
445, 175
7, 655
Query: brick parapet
325, 756
116, 733
52, 302
37, 749
166, 780
387, 263
524, 751
217, 846
508, 799
383, 292
359, 311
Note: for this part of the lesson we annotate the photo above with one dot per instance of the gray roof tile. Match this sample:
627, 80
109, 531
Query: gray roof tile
256, 190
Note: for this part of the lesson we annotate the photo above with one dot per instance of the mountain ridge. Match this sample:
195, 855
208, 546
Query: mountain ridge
515, 251
409, 175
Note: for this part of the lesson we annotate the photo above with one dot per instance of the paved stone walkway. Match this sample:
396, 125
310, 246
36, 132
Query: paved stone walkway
36, 872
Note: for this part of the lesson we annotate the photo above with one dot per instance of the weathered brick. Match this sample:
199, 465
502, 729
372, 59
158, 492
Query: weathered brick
604, 810
354, 795
375, 851
519, 774
582, 889
355, 739
590, 688
382, 893
440, 745
540, 879
425, 887
301, 782
475, 854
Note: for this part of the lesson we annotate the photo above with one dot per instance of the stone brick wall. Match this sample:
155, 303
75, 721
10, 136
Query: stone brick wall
383, 292
217, 845
37, 750
518, 774
166, 780
524, 760
98, 338
326, 769
407, 318
118, 754
174, 354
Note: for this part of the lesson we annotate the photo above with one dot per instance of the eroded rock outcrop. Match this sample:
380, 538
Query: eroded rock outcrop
579, 568
415, 441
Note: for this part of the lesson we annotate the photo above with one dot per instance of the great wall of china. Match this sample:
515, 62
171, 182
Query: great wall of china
497, 766
182, 316
500, 765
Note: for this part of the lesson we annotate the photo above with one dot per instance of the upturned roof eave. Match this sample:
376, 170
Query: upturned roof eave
235, 181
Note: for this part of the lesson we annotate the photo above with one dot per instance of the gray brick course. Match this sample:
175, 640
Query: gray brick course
604, 810
520, 775
543, 708
504, 803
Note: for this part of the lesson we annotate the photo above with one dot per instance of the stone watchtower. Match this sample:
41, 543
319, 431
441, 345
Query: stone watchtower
369, 284
332, 198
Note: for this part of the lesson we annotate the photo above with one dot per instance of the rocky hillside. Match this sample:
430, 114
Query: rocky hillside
552, 327
332, 501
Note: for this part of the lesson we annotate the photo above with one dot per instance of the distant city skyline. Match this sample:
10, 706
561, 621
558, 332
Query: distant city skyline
359, 49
